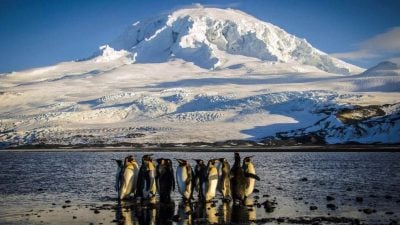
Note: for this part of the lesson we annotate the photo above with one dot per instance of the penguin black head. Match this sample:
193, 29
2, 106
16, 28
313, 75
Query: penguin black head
161, 161
222, 160
237, 156
247, 159
147, 157
182, 162
169, 163
129, 158
211, 162
199, 161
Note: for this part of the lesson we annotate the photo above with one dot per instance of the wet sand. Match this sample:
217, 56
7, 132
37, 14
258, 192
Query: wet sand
259, 209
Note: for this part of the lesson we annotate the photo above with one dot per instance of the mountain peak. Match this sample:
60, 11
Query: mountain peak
211, 37
385, 68
386, 65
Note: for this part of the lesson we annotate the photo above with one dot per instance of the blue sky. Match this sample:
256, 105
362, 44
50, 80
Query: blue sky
35, 33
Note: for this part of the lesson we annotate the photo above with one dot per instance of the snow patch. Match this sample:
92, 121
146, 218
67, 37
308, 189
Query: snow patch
108, 54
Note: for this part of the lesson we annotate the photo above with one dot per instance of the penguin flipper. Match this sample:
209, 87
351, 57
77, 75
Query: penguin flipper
250, 175
158, 175
173, 179
140, 183
148, 182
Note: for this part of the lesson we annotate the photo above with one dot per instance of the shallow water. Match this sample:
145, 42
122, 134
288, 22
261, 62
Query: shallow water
36, 187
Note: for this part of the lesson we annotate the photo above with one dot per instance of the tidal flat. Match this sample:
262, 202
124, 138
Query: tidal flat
77, 187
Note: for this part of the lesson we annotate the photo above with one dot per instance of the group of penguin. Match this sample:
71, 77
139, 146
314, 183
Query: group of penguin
144, 182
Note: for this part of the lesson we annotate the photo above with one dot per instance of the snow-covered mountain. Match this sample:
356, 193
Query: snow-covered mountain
211, 37
201, 75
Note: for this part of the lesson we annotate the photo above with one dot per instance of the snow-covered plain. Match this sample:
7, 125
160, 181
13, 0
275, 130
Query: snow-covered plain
199, 75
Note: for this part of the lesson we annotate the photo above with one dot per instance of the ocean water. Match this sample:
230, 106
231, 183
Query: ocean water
78, 188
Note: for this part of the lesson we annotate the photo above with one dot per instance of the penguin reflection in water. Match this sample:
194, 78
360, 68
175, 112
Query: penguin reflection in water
165, 179
146, 184
225, 213
243, 214
185, 179
129, 178
185, 213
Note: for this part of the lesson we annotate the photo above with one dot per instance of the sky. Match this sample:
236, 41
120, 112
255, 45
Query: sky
36, 33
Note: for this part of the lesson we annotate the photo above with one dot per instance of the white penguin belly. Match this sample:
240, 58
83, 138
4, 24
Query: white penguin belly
211, 191
250, 187
252, 181
225, 187
127, 183
181, 177
150, 190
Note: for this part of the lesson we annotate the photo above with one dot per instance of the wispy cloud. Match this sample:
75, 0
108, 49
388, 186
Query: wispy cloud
395, 60
381, 45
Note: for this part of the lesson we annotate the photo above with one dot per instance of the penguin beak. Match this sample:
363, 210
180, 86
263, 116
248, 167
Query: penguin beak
248, 158
180, 161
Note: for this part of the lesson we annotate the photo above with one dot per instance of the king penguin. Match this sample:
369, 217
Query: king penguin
165, 179
147, 178
200, 174
238, 180
185, 179
130, 176
224, 183
211, 182
250, 174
